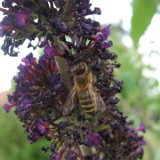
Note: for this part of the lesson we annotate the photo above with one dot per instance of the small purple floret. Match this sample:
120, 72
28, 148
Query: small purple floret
56, 156
141, 127
93, 139
105, 31
22, 18
7, 107
50, 51
29, 60
43, 43
98, 37
42, 125
97, 10
106, 44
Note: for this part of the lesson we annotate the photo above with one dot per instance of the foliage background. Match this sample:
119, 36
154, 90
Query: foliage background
140, 99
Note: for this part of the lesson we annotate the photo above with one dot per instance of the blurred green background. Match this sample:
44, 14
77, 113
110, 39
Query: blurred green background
140, 99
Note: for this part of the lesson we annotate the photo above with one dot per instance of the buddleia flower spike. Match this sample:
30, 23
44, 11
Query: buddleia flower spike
76, 62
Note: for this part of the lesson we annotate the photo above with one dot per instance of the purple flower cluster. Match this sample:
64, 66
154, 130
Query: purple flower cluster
37, 98
38, 92
41, 91
48, 19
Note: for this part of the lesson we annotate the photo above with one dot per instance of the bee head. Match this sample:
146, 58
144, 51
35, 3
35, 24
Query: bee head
80, 68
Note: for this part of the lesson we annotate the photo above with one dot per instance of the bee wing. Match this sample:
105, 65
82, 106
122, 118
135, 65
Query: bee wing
71, 102
99, 102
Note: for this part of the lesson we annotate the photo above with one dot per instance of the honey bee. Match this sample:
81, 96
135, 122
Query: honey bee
83, 93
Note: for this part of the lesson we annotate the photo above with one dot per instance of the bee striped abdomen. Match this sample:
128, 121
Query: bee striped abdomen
86, 101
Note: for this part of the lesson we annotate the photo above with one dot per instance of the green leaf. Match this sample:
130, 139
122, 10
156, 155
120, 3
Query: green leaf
100, 128
143, 12
157, 1
59, 120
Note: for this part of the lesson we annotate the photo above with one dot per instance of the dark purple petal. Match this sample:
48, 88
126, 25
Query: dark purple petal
42, 125
50, 51
56, 156
22, 18
29, 60
106, 44
43, 43
97, 37
142, 143
97, 10
7, 107
55, 82
93, 139
105, 31
141, 127
84, 11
